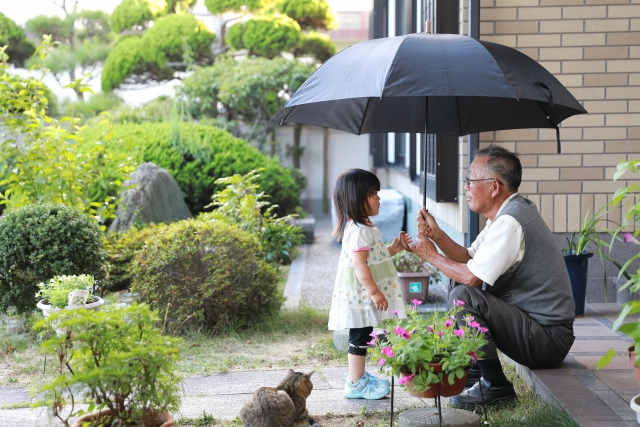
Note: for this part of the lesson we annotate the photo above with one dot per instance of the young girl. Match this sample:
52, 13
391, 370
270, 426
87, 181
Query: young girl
366, 289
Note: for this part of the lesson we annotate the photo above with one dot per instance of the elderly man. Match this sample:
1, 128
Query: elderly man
512, 279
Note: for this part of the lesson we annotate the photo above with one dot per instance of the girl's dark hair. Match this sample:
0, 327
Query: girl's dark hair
353, 188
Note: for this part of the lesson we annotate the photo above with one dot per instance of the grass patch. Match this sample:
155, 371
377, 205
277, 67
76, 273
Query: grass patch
18, 405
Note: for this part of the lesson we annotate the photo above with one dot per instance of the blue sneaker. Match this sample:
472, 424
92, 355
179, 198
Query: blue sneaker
377, 380
365, 389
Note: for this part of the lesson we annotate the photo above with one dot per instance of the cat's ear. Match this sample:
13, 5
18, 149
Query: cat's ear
309, 374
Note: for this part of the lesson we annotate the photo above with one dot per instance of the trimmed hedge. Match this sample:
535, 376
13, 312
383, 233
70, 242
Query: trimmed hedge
205, 275
197, 155
38, 242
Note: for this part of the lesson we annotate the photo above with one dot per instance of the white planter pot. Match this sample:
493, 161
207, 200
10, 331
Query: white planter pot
47, 310
635, 405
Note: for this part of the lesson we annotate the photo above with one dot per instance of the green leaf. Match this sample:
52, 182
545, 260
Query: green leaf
604, 360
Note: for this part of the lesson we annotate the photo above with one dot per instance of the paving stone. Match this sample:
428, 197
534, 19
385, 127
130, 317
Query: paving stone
587, 331
10, 395
619, 380
426, 417
602, 346
618, 362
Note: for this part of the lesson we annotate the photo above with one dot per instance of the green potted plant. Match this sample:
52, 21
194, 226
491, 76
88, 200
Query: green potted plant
67, 292
427, 351
576, 256
414, 276
117, 361
629, 195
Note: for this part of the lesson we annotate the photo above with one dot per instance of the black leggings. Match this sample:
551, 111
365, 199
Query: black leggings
358, 339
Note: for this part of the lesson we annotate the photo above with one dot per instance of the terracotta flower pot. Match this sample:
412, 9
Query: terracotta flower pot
414, 285
165, 419
446, 389
632, 359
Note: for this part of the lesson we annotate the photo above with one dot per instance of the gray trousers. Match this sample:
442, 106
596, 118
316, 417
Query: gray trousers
511, 331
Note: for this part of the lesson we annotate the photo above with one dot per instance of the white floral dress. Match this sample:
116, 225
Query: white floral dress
351, 306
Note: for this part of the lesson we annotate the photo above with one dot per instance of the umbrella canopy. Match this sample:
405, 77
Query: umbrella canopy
433, 83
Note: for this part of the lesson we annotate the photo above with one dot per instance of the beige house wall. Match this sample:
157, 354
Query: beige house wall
593, 48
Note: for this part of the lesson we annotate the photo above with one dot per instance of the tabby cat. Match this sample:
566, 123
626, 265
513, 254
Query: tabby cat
281, 406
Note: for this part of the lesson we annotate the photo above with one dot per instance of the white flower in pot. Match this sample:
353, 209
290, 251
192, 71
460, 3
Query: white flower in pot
67, 293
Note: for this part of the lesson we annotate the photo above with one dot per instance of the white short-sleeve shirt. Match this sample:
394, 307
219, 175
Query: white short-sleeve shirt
498, 248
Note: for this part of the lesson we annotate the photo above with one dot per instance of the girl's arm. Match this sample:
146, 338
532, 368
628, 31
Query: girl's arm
359, 261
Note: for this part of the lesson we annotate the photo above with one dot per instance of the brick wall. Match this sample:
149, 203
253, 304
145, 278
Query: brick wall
593, 48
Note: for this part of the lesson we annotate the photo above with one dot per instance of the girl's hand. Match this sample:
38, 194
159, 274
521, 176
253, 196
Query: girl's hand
406, 240
395, 246
379, 301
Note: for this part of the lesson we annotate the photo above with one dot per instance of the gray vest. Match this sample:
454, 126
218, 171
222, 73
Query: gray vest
540, 284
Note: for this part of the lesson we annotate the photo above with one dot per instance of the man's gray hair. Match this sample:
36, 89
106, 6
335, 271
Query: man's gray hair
503, 163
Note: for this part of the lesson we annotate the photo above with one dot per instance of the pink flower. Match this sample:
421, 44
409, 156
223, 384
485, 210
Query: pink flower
416, 302
474, 324
473, 355
448, 323
628, 237
381, 362
373, 334
388, 351
483, 330
404, 380
414, 331
459, 303
372, 342
402, 332
458, 332
468, 318
439, 334
430, 328
395, 313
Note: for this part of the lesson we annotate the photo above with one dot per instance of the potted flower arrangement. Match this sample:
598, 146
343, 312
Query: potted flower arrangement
576, 256
117, 361
427, 351
64, 293
414, 276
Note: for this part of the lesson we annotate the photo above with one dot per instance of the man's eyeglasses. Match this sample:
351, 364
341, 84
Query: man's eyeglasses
469, 181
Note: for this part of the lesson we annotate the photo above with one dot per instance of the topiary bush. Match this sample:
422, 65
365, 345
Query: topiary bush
265, 35
318, 45
38, 242
196, 156
131, 14
120, 248
205, 275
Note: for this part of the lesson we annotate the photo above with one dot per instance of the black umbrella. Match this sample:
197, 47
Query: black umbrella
433, 83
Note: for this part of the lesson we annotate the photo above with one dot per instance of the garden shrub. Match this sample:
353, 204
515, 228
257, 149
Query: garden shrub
205, 275
120, 248
96, 104
130, 14
310, 14
265, 35
19, 48
196, 156
38, 242
318, 45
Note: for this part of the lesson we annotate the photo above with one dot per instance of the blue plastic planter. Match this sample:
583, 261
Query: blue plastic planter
577, 266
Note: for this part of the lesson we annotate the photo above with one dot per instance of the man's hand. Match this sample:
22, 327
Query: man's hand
427, 224
379, 301
424, 248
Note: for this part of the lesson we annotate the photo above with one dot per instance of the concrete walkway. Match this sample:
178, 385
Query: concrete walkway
593, 398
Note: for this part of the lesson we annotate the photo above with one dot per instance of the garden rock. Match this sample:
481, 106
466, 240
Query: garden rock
155, 198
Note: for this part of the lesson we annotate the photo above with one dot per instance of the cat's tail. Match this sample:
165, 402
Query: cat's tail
313, 423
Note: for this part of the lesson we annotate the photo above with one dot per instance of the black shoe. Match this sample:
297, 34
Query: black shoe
471, 398
472, 378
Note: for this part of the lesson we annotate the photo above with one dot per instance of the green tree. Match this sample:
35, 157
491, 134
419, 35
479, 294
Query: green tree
19, 48
84, 40
158, 52
265, 35
310, 14
136, 15
318, 45
40, 159
251, 90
